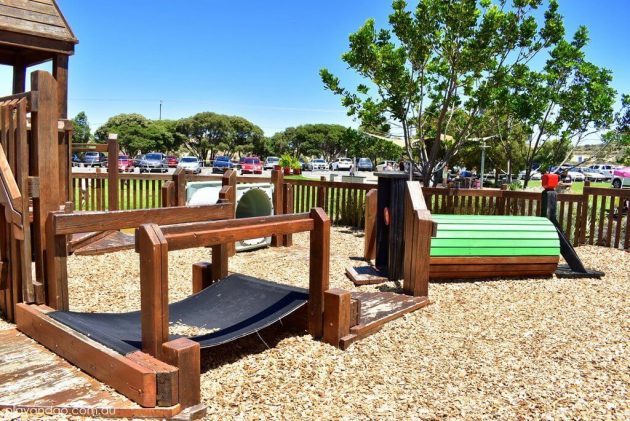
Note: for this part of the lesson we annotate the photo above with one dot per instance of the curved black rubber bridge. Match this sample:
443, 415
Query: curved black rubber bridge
238, 305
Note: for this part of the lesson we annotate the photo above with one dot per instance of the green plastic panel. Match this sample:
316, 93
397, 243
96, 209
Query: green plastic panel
488, 235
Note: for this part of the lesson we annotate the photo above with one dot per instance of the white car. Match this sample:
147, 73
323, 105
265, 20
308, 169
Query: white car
271, 162
576, 176
319, 164
341, 164
621, 178
593, 176
605, 169
190, 164
390, 165
534, 175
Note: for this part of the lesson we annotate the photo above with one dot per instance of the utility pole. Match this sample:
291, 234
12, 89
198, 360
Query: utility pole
161, 109
483, 161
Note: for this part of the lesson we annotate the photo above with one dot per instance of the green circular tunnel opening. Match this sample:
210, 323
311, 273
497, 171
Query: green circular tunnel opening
253, 203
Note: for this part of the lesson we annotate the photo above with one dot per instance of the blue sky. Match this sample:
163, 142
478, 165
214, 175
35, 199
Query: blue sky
251, 58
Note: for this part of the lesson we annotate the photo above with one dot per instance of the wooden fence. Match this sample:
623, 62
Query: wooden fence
593, 217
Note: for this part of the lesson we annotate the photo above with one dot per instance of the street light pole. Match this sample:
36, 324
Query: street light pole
483, 161
161, 109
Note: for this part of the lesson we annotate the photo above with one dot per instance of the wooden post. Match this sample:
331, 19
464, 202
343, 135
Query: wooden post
319, 269
287, 208
44, 163
277, 179
168, 194
201, 276
321, 193
56, 267
369, 248
219, 268
501, 209
153, 250
418, 230
60, 73
19, 77
336, 315
229, 180
112, 172
186, 356
179, 178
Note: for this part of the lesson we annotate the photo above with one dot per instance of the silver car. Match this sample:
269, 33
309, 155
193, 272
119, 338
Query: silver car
190, 164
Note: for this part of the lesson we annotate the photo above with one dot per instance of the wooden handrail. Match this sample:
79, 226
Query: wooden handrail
10, 195
419, 228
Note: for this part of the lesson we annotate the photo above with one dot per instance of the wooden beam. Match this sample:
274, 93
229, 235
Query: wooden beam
98, 221
369, 246
19, 76
127, 377
153, 288
228, 193
112, 172
250, 229
277, 179
319, 269
60, 73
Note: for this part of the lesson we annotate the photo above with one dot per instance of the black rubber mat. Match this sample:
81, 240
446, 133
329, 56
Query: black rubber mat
237, 306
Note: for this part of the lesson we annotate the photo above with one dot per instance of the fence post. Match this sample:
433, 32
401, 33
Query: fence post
112, 171
321, 194
179, 177
501, 200
277, 179
287, 208
229, 180
584, 213
168, 193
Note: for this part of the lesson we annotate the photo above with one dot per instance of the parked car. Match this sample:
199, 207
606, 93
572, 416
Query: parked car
621, 178
190, 164
271, 162
172, 161
251, 165
364, 164
605, 169
137, 160
94, 159
306, 166
571, 173
125, 164
76, 160
535, 175
390, 165
341, 164
221, 163
319, 164
154, 161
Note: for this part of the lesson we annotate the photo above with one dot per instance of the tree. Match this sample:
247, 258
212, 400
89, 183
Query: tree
622, 131
441, 58
133, 133
82, 133
325, 140
570, 99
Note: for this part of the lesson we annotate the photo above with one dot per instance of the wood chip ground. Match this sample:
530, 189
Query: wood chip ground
497, 349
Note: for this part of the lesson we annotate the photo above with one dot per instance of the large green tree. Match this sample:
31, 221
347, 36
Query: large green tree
82, 133
435, 60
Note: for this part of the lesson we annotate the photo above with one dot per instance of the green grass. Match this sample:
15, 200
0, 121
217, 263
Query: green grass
576, 187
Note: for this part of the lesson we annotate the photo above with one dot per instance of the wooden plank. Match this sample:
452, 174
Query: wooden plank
319, 268
369, 241
28, 5
166, 377
489, 274
219, 269
127, 377
496, 267
13, 24
336, 315
153, 250
117, 220
112, 173
214, 236
494, 251
463, 260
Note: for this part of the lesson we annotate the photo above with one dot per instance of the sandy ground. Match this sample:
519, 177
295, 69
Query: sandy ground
500, 349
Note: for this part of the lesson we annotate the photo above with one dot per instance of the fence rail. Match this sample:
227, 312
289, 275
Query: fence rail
594, 217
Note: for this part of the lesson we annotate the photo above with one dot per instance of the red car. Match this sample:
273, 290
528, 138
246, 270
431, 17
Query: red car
251, 165
125, 163
172, 161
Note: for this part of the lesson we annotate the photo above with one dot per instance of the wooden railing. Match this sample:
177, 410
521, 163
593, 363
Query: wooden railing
594, 217
343, 202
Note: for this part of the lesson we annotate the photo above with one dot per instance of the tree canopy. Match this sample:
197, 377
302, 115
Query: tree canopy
82, 133
440, 66
137, 133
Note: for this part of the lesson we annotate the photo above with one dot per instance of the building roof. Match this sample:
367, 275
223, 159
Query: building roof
33, 31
